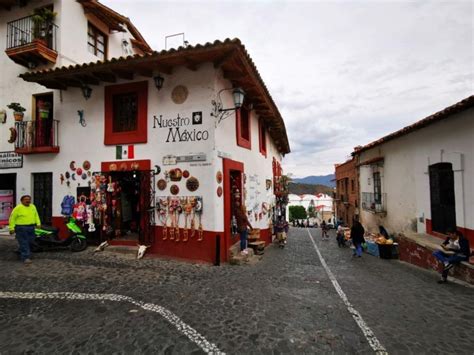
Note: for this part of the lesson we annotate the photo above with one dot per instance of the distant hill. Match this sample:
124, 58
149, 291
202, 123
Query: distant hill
316, 180
301, 189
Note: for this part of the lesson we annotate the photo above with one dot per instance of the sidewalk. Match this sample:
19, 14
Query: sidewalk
417, 249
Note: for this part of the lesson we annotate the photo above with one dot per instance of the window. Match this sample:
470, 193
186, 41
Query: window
243, 128
377, 188
262, 138
96, 42
126, 113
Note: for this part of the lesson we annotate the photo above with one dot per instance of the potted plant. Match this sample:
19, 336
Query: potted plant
42, 19
17, 110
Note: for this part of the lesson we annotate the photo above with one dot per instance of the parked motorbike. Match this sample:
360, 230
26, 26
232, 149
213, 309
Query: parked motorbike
47, 238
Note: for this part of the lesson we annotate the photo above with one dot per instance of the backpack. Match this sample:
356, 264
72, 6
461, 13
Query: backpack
67, 206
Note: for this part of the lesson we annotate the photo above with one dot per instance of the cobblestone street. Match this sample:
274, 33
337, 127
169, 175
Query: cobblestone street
286, 303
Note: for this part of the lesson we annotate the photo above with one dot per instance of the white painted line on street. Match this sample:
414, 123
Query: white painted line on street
368, 333
182, 327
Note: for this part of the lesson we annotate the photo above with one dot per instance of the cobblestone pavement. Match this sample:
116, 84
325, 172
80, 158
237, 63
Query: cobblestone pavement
286, 303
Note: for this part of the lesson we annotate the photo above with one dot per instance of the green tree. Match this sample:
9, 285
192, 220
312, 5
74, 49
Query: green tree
297, 212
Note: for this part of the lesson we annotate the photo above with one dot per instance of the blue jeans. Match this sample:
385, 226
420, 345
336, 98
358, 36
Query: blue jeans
25, 235
451, 259
358, 249
243, 239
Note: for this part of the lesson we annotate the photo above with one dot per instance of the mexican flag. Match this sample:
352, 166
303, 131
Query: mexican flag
124, 152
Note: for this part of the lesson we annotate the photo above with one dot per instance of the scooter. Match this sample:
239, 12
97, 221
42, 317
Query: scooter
48, 238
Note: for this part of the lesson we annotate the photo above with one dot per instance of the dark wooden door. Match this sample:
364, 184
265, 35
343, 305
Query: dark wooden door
443, 209
43, 196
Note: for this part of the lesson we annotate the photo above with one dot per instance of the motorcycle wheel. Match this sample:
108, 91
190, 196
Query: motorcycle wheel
78, 244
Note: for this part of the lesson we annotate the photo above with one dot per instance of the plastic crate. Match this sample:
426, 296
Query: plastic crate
372, 248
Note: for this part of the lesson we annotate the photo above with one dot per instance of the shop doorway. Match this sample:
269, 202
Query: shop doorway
7, 196
43, 196
443, 209
233, 190
129, 217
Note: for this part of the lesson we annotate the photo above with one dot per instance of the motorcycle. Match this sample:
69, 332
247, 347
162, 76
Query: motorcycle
48, 238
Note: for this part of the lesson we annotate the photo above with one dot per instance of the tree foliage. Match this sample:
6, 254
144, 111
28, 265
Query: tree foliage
297, 212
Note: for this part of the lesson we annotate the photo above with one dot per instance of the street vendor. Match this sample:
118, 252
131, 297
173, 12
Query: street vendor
455, 249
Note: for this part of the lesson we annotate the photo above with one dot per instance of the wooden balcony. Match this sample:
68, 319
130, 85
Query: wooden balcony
30, 46
37, 137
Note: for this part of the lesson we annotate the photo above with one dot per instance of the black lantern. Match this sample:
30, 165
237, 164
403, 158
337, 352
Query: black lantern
238, 95
158, 81
86, 91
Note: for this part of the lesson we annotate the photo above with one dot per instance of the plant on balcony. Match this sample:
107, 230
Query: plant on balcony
17, 110
42, 19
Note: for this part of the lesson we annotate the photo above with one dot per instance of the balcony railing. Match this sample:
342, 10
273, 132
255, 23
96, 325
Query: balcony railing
40, 136
376, 203
24, 31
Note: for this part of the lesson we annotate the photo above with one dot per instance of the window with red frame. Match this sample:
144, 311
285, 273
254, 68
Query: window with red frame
262, 138
126, 113
243, 128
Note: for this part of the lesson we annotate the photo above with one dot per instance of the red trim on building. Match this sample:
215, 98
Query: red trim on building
192, 249
228, 166
468, 233
125, 165
128, 243
243, 141
141, 133
262, 138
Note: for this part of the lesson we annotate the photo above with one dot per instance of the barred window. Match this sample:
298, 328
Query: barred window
125, 112
97, 42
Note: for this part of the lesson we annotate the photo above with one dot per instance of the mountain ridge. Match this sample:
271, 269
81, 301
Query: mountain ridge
326, 180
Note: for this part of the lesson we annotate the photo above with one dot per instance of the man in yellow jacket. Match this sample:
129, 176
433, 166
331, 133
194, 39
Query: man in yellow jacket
23, 220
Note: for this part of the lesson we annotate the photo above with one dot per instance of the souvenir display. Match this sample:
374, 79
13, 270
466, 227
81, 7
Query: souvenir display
219, 191
219, 177
175, 174
79, 171
72, 165
192, 184
86, 165
185, 174
175, 209
161, 184
174, 189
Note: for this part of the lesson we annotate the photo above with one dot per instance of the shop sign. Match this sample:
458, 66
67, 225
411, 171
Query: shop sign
10, 160
180, 128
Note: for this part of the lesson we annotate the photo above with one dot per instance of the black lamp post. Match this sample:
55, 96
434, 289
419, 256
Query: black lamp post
86, 91
238, 95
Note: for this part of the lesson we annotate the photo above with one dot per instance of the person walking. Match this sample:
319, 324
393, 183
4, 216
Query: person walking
324, 230
22, 222
242, 224
357, 236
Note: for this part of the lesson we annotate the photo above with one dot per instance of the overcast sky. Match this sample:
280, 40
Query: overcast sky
342, 73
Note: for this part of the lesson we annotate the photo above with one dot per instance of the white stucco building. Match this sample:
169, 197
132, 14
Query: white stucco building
152, 130
322, 203
419, 179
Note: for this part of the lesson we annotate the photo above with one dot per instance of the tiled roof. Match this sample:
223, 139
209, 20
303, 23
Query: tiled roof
438, 116
231, 55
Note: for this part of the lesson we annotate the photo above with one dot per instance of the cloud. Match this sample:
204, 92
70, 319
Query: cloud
342, 73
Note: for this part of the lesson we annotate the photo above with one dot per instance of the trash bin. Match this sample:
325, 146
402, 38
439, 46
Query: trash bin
385, 251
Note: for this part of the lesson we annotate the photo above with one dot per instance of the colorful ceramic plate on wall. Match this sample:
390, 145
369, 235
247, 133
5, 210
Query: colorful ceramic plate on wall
86, 165
67, 174
185, 174
72, 165
219, 177
79, 171
161, 184
219, 191
192, 184
174, 189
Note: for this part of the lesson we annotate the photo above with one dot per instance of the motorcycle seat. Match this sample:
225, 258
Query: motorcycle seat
52, 229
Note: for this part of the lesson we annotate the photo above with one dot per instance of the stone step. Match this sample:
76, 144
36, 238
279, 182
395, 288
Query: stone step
122, 249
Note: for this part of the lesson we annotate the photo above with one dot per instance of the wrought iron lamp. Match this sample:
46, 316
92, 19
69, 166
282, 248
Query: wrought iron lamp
86, 91
158, 81
221, 113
